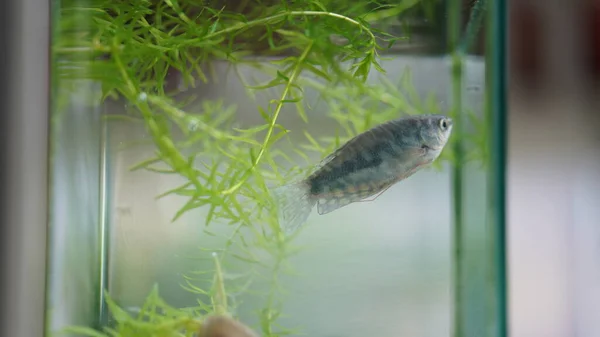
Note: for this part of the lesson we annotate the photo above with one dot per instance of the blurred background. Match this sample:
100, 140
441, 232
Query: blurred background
554, 168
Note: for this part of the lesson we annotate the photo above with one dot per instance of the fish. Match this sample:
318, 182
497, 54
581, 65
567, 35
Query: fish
365, 166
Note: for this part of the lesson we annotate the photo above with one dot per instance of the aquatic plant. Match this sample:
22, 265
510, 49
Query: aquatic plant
328, 46
156, 317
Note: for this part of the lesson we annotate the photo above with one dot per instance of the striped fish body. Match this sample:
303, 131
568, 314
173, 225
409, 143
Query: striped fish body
365, 166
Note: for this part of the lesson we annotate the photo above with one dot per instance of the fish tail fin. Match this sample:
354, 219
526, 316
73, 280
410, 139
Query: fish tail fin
294, 204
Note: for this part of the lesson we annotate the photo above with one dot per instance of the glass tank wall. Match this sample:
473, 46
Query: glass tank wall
173, 121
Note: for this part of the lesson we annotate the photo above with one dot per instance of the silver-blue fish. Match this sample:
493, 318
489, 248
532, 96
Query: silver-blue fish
366, 165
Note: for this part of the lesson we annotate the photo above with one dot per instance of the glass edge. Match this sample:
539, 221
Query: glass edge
498, 112
25, 122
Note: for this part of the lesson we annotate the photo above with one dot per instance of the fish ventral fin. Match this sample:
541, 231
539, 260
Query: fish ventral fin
328, 205
294, 204
331, 203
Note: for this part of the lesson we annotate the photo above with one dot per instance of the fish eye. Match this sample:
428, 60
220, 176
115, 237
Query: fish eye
443, 124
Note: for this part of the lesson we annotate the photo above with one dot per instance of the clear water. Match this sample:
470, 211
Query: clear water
378, 268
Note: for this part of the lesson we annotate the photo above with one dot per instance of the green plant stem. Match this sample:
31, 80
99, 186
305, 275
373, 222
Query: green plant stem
474, 24
220, 298
178, 114
457, 173
496, 106
164, 143
390, 12
296, 72
130, 86
257, 22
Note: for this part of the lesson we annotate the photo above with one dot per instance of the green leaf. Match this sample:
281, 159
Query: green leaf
177, 190
145, 164
190, 205
282, 76
117, 313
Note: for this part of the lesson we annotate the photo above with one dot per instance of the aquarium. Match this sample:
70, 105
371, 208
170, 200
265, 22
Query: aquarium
175, 123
